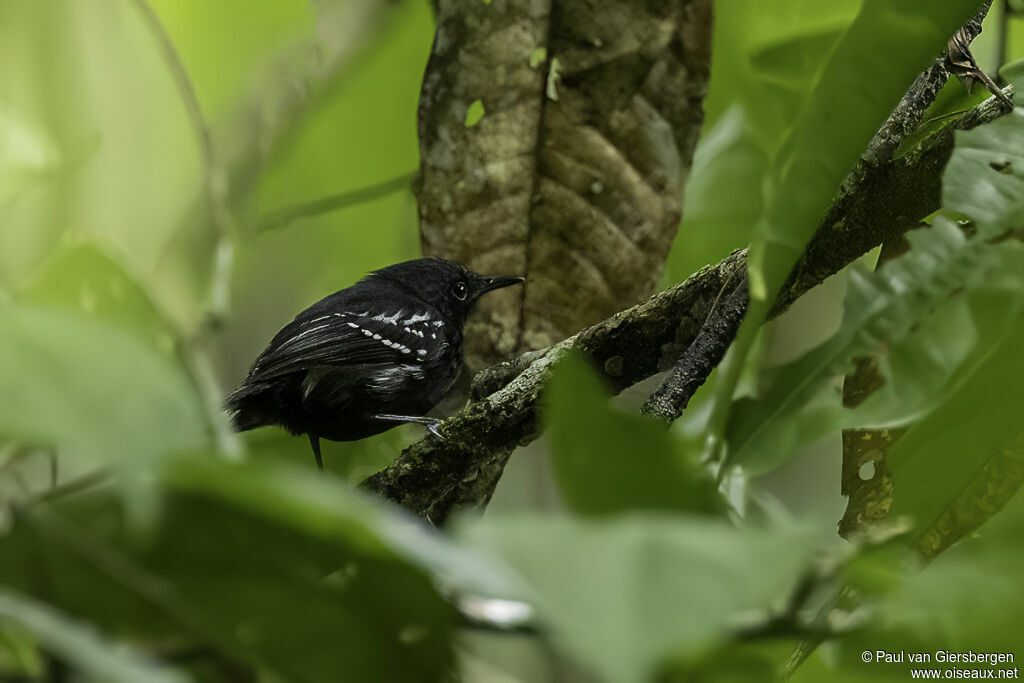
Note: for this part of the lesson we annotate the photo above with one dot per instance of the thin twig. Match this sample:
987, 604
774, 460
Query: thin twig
70, 488
280, 218
214, 189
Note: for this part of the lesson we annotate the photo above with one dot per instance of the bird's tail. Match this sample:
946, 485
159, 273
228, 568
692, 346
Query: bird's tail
247, 407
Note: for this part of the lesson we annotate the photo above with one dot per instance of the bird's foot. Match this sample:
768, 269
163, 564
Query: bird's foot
432, 424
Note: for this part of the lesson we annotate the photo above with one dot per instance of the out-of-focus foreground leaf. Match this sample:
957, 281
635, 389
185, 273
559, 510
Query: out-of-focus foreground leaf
78, 645
643, 588
766, 60
272, 568
91, 389
607, 461
572, 175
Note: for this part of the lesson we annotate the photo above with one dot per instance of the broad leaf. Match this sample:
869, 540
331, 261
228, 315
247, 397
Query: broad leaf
606, 460
80, 646
892, 40
301, 589
92, 389
905, 313
642, 588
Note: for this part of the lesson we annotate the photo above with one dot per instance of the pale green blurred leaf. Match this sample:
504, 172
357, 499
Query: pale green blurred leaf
333, 511
970, 596
27, 154
625, 594
91, 389
723, 195
78, 644
606, 461
88, 279
765, 62
285, 572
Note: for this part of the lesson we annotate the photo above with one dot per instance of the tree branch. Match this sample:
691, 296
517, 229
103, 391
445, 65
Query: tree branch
702, 356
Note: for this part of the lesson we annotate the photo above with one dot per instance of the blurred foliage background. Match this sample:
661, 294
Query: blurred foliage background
147, 154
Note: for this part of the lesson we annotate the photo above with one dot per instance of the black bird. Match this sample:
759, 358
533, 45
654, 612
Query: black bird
358, 362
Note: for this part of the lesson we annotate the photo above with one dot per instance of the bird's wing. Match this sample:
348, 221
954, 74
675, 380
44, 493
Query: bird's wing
340, 339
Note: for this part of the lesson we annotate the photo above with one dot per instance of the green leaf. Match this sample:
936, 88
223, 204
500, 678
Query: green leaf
92, 390
329, 509
727, 163
606, 460
904, 313
298, 590
758, 47
892, 40
79, 645
985, 176
941, 456
969, 597
88, 279
625, 594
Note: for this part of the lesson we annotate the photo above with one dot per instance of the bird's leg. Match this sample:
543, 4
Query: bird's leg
314, 441
431, 423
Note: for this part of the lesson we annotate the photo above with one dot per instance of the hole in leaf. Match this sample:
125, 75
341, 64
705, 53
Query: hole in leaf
867, 471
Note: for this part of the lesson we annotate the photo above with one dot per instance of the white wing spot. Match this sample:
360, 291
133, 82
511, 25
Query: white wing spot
368, 333
438, 323
405, 349
391, 319
422, 352
418, 318
353, 326
377, 337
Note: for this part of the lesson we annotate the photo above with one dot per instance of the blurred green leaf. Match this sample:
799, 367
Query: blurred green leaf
934, 462
904, 313
606, 460
766, 59
733, 662
970, 596
891, 40
333, 511
87, 279
299, 589
625, 594
92, 389
728, 164
80, 645
27, 154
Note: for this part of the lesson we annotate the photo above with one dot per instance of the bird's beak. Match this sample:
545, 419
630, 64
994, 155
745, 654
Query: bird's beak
485, 284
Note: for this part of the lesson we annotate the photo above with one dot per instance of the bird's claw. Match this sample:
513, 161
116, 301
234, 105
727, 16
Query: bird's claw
432, 424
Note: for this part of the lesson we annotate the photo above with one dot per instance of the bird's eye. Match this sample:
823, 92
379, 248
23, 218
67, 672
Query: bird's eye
460, 290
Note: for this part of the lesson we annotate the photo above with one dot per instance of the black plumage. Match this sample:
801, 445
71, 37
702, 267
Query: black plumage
360, 361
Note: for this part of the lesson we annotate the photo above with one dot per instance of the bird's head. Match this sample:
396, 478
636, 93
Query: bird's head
448, 286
